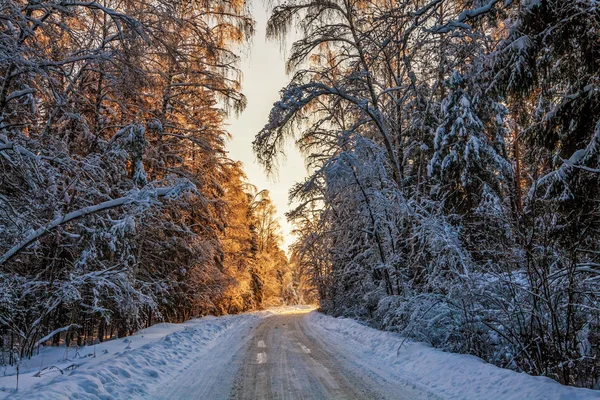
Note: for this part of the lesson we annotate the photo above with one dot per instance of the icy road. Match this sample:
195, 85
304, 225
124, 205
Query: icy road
285, 353
284, 357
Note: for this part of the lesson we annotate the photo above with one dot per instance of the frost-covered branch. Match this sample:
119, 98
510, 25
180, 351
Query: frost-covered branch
294, 99
142, 196
54, 333
467, 15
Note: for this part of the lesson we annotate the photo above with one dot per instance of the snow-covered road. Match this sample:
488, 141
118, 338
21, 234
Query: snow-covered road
282, 357
287, 359
212, 375
299, 354
287, 353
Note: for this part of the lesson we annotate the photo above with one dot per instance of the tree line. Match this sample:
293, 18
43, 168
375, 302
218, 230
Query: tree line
454, 186
119, 206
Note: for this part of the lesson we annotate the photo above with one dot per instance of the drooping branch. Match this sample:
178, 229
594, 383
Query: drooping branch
467, 15
139, 197
294, 99
55, 332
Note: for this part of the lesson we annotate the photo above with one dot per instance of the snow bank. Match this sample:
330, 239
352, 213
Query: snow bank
123, 368
447, 375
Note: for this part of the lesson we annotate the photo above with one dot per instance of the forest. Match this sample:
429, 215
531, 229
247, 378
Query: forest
454, 188
452, 150
119, 206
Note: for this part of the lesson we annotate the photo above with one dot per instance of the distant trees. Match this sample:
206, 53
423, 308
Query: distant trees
118, 204
453, 150
270, 272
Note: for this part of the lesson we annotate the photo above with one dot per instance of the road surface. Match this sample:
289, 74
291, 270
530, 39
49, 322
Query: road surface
284, 357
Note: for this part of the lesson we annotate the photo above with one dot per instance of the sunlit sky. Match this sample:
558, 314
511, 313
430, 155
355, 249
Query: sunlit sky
264, 76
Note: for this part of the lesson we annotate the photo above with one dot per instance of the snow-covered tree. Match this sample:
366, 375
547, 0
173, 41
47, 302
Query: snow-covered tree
468, 154
114, 180
452, 148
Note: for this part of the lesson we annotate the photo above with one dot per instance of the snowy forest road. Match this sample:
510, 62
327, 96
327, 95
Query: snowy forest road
284, 357
289, 352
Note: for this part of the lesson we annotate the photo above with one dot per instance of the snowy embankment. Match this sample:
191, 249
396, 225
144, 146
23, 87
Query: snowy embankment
444, 375
125, 368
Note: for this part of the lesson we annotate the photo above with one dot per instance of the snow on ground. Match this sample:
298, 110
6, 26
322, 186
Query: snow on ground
127, 367
447, 375
122, 368
152, 360
52, 360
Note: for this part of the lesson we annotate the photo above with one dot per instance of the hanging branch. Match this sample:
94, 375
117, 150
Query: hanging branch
143, 196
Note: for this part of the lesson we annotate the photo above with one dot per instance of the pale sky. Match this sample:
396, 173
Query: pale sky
264, 76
